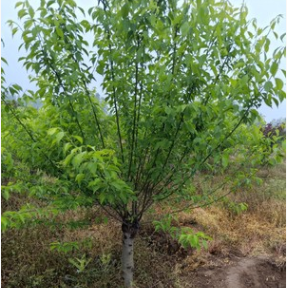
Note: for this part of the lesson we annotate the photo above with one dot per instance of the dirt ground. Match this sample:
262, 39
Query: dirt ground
240, 272
218, 267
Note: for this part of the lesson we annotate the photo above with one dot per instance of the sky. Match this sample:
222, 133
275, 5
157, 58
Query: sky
263, 10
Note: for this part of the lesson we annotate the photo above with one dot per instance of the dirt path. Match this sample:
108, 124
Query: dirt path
240, 272
244, 274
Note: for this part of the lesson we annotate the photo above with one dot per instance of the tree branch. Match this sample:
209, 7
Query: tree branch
105, 4
135, 113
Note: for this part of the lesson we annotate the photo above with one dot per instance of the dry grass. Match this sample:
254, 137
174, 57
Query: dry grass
28, 261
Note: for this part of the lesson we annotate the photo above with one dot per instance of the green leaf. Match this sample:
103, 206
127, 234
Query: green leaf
184, 28
268, 86
17, 87
19, 4
125, 10
82, 10
4, 60
117, 184
80, 178
60, 136
80, 139
28, 23
4, 223
22, 13
79, 158
100, 68
52, 131
5, 192
102, 198
68, 159
95, 184
275, 100
31, 11
194, 242
14, 31
21, 217
283, 36
67, 146
86, 25
60, 32
281, 95
279, 83
266, 46
268, 100
225, 160
274, 68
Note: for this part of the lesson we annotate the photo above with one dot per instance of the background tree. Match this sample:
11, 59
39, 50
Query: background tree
179, 82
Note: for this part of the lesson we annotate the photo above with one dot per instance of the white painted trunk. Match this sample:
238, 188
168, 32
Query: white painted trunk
128, 258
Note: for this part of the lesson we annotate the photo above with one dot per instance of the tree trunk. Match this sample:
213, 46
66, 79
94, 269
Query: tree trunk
129, 233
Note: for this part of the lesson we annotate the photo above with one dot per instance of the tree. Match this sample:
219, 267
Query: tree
179, 81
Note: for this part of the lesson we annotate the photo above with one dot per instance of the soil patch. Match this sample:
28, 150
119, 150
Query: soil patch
240, 272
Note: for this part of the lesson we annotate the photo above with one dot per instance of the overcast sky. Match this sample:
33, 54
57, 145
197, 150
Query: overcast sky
263, 10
